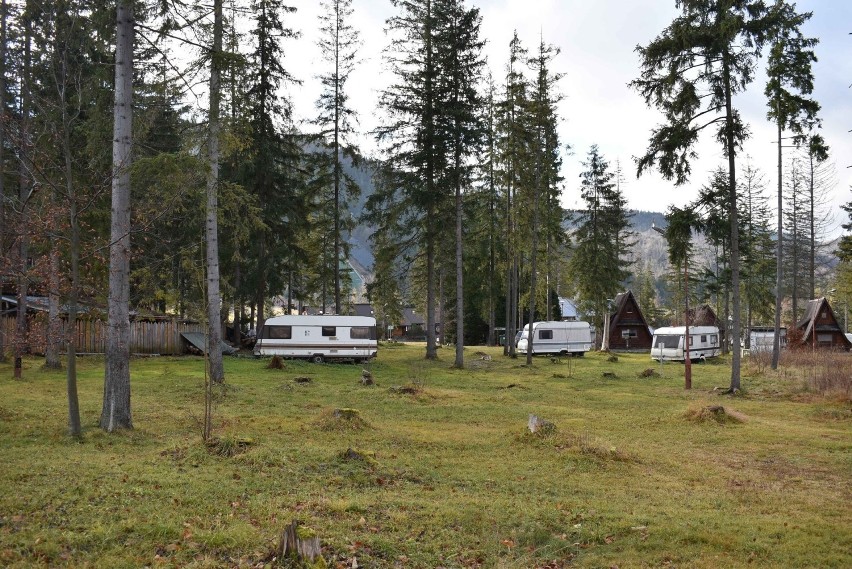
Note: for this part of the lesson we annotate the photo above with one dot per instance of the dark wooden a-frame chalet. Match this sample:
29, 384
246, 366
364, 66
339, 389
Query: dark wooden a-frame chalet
820, 329
628, 329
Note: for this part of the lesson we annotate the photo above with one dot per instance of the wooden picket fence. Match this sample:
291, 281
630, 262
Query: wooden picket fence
146, 337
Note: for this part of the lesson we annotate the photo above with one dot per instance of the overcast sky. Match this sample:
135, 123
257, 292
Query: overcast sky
597, 39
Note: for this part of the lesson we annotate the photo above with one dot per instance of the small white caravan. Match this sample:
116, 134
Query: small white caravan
762, 338
319, 338
669, 343
556, 337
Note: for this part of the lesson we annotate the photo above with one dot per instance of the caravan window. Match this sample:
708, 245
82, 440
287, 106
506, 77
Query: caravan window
714, 339
279, 332
704, 339
329, 330
545, 334
362, 333
667, 341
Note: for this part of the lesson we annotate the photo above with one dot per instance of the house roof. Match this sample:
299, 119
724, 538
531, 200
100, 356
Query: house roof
363, 309
412, 317
704, 315
568, 308
621, 301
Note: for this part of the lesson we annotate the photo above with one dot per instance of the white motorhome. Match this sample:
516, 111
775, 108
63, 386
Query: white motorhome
556, 337
319, 338
669, 343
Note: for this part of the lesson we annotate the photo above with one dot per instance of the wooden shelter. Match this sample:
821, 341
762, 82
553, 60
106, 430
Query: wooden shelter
628, 329
820, 329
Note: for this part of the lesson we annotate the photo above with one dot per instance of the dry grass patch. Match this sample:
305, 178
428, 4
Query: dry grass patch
715, 414
345, 419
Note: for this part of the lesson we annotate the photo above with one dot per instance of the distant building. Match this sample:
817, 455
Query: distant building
413, 325
820, 329
628, 329
568, 309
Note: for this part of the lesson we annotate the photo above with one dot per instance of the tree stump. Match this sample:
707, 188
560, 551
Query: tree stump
346, 414
301, 543
540, 426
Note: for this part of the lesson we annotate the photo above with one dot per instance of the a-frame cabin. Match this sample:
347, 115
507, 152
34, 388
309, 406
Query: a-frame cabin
820, 329
628, 329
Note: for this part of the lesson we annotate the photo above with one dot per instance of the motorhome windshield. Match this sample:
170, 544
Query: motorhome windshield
667, 341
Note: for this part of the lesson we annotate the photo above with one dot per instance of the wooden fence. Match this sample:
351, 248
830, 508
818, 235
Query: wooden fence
146, 337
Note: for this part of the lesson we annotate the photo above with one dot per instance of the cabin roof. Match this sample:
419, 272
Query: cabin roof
621, 301
703, 315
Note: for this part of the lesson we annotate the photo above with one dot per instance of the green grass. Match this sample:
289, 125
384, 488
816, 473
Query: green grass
445, 476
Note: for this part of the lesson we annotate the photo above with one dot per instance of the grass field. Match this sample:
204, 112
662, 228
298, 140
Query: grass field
442, 475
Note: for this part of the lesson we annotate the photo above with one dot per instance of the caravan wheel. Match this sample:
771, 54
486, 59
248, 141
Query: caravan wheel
317, 358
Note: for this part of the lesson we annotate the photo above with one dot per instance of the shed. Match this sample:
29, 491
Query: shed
819, 327
628, 329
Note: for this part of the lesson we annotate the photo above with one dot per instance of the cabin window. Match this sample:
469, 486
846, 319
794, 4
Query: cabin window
629, 333
545, 334
824, 338
703, 338
279, 332
329, 330
362, 333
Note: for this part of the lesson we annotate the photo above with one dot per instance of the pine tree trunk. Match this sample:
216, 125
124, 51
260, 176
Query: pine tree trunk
116, 406
3, 267
430, 142
779, 257
735, 238
21, 325
74, 426
214, 327
54, 324
812, 236
459, 363
337, 158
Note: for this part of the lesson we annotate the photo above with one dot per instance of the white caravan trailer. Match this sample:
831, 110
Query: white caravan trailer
319, 338
762, 338
669, 343
557, 337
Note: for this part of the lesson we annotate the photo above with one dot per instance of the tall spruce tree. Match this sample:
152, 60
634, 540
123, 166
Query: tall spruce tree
412, 144
336, 119
459, 58
595, 264
759, 256
514, 167
544, 182
272, 167
691, 72
790, 107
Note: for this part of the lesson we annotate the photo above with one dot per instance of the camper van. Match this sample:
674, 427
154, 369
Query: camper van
319, 338
557, 337
669, 343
